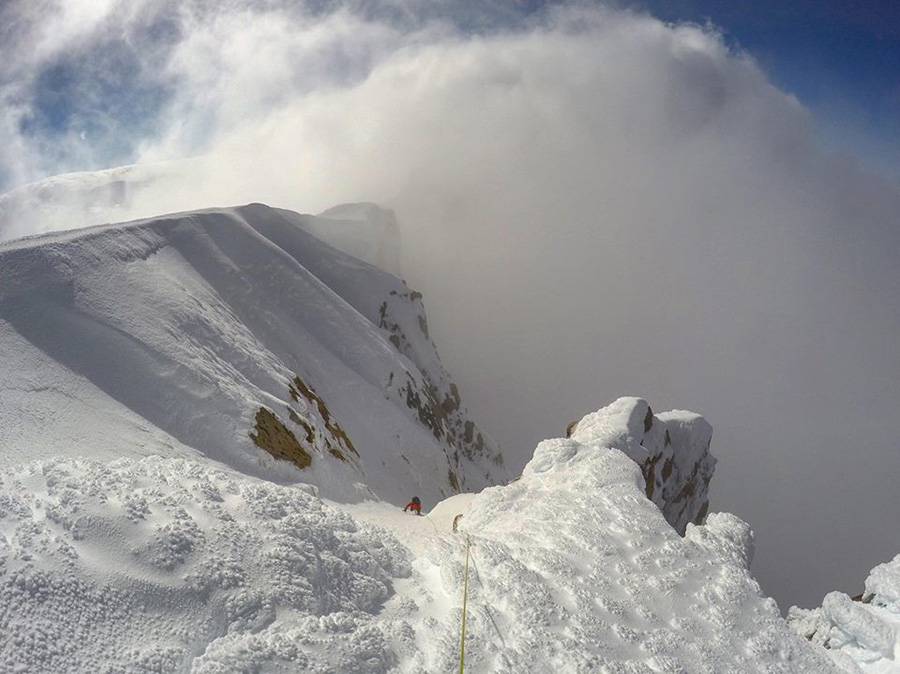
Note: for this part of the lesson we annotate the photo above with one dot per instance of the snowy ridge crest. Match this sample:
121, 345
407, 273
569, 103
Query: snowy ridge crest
166, 564
577, 571
672, 450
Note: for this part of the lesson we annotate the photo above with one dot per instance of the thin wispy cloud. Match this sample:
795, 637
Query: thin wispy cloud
595, 203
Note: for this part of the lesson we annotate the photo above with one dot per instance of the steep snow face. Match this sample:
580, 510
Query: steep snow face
187, 333
672, 450
861, 634
168, 564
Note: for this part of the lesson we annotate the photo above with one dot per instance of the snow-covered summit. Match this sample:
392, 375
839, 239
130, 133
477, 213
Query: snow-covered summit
221, 332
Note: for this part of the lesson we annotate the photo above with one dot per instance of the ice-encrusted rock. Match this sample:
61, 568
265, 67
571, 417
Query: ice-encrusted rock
672, 450
861, 634
576, 571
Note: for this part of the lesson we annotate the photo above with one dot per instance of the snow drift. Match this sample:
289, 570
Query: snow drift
167, 564
861, 634
221, 332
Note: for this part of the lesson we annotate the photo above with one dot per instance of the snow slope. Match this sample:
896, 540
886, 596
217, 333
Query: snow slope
167, 564
184, 334
861, 634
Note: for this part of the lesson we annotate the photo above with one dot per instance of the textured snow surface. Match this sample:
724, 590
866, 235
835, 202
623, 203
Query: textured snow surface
167, 564
160, 564
861, 636
167, 336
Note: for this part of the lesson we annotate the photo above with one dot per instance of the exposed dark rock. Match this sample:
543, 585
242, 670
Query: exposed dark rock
278, 440
648, 420
335, 437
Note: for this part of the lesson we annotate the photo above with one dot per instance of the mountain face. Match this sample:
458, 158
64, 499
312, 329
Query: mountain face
238, 335
206, 417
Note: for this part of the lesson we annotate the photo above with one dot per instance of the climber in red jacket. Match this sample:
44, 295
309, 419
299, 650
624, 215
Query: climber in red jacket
415, 505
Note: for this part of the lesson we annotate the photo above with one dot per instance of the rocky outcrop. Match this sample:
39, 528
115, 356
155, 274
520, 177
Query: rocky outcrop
270, 434
421, 386
434, 397
672, 450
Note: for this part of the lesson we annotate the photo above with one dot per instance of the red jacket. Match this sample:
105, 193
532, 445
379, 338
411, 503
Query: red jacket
412, 505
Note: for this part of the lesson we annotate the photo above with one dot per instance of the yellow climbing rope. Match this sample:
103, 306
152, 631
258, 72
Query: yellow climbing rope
462, 635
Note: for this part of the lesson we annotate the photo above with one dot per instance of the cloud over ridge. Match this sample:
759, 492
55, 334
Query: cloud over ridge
596, 203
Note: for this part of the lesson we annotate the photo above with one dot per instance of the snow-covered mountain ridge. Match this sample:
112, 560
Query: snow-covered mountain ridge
205, 420
168, 564
196, 331
87, 198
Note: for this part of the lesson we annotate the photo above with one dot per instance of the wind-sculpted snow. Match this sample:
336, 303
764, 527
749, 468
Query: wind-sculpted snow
179, 334
160, 565
575, 570
167, 564
83, 199
672, 450
860, 634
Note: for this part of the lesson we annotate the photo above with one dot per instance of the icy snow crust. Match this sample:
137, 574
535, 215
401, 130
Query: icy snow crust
166, 336
169, 564
166, 565
861, 636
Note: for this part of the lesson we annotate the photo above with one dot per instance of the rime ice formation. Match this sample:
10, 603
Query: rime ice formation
862, 635
672, 450
230, 332
166, 565
169, 564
